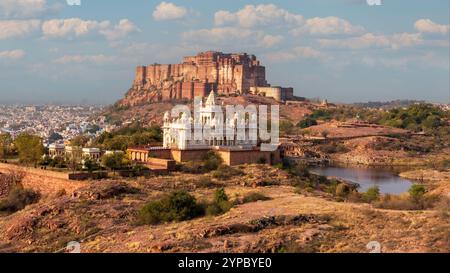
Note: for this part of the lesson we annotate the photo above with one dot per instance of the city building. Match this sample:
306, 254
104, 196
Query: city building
56, 150
92, 153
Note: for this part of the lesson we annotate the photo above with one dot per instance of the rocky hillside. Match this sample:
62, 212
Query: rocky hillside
136, 97
148, 113
102, 217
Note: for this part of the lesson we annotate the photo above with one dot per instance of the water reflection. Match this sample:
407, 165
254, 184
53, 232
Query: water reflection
388, 181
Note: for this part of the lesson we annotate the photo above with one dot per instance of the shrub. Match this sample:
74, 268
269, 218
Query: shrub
372, 194
138, 170
343, 190
212, 161
307, 122
355, 196
254, 197
395, 202
191, 167
220, 205
416, 192
286, 127
177, 206
220, 196
331, 188
213, 209
225, 172
206, 182
332, 148
406, 202
321, 114
18, 199
262, 160
300, 170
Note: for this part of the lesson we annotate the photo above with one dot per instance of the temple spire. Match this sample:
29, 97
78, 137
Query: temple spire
211, 99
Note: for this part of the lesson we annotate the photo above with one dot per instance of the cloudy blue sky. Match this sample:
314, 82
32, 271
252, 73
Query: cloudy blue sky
342, 50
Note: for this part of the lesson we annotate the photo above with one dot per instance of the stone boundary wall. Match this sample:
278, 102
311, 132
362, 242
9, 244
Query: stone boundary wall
189, 155
43, 181
233, 158
164, 163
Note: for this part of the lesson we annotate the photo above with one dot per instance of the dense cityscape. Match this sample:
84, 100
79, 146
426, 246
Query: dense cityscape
52, 123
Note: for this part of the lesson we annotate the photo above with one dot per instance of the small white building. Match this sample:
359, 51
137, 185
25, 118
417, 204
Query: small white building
56, 150
92, 153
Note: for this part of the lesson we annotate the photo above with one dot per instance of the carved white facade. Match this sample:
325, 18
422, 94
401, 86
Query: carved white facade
210, 128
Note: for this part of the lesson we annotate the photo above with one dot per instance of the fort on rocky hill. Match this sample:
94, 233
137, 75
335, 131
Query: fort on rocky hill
225, 74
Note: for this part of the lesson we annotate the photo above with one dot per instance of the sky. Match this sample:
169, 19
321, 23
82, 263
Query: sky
52, 51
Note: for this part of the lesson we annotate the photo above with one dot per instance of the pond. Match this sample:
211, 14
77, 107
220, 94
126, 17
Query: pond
387, 180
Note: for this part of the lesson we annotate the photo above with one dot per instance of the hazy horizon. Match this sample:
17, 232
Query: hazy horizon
344, 51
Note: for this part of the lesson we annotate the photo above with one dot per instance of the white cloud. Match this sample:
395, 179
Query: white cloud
168, 11
12, 54
328, 26
428, 26
18, 28
217, 35
26, 8
142, 52
295, 54
261, 15
229, 35
222, 17
369, 40
386, 62
425, 61
76, 27
121, 30
96, 59
73, 27
271, 40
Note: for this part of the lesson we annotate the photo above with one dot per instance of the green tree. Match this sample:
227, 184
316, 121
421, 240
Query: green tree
30, 148
307, 122
5, 145
74, 159
286, 127
321, 114
89, 164
372, 194
117, 143
212, 161
177, 206
417, 117
79, 141
416, 192
220, 196
114, 161
221, 203
132, 135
